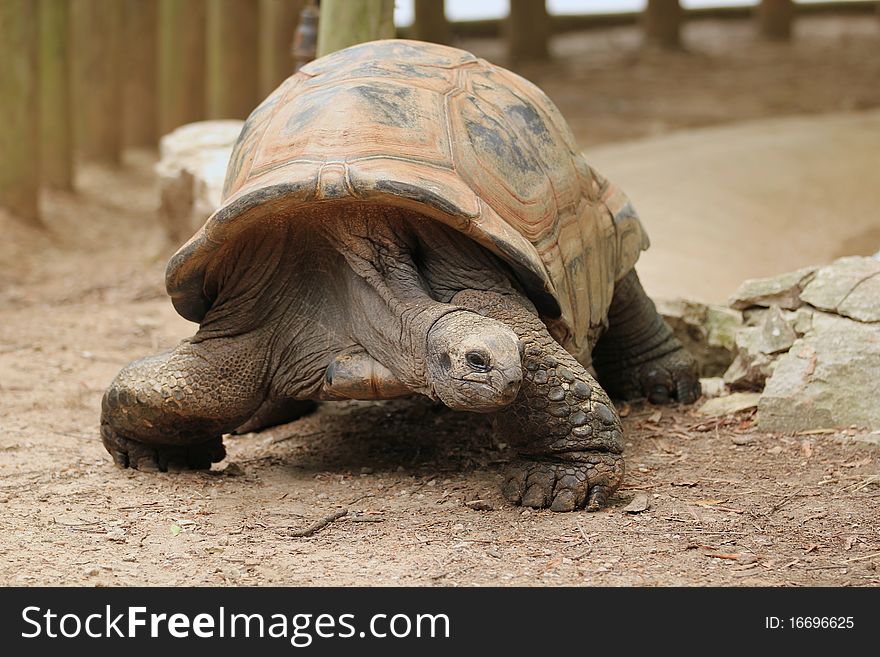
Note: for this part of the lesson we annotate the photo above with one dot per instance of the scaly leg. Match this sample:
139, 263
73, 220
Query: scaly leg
562, 424
639, 356
169, 411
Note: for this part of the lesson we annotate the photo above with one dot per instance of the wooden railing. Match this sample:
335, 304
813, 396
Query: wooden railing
86, 79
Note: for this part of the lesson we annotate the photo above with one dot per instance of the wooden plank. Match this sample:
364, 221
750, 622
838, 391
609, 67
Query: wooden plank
527, 30
662, 23
345, 23
430, 22
97, 80
141, 76
56, 116
233, 60
278, 21
19, 108
775, 19
181, 63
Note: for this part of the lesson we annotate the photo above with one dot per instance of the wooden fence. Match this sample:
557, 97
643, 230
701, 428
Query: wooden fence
86, 79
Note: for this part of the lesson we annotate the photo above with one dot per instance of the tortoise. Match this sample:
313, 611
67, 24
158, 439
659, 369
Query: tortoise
403, 218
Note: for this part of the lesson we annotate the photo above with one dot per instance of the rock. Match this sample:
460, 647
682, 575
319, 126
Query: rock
191, 170
733, 403
752, 366
776, 333
802, 321
848, 286
827, 379
863, 303
707, 332
233, 469
783, 290
713, 387
640, 502
742, 440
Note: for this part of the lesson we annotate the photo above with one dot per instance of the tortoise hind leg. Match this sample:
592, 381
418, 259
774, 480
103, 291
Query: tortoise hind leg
169, 411
638, 356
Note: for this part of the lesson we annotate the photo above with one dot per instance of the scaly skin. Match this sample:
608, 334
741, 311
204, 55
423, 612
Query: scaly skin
169, 411
638, 356
562, 424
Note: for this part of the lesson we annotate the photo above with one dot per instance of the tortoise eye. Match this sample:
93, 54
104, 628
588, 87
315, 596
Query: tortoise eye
477, 361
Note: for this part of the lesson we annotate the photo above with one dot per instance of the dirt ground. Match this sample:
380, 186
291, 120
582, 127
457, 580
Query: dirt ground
726, 504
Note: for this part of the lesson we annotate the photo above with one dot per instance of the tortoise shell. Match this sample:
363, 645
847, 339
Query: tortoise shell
436, 130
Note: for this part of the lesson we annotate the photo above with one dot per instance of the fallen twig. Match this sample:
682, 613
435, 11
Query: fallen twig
722, 555
863, 558
365, 519
783, 502
318, 525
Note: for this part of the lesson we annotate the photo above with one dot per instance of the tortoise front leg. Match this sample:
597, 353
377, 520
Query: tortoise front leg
562, 424
169, 411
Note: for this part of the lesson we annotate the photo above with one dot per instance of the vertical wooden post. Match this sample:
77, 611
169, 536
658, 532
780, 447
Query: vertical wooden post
19, 108
662, 22
430, 22
775, 19
527, 29
56, 116
233, 62
181, 63
141, 61
278, 21
97, 80
347, 22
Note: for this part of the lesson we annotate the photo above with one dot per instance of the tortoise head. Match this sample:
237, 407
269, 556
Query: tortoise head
474, 362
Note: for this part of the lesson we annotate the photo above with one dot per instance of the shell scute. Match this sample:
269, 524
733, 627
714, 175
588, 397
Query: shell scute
445, 134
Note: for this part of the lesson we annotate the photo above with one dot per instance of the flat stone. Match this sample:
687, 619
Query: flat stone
776, 333
733, 403
191, 171
640, 502
707, 332
713, 387
827, 379
863, 303
783, 290
752, 366
833, 287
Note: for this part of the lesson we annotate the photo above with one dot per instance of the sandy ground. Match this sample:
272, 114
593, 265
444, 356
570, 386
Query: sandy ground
726, 504
759, 198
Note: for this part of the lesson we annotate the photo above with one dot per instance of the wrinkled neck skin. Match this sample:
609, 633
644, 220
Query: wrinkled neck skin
308, 287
